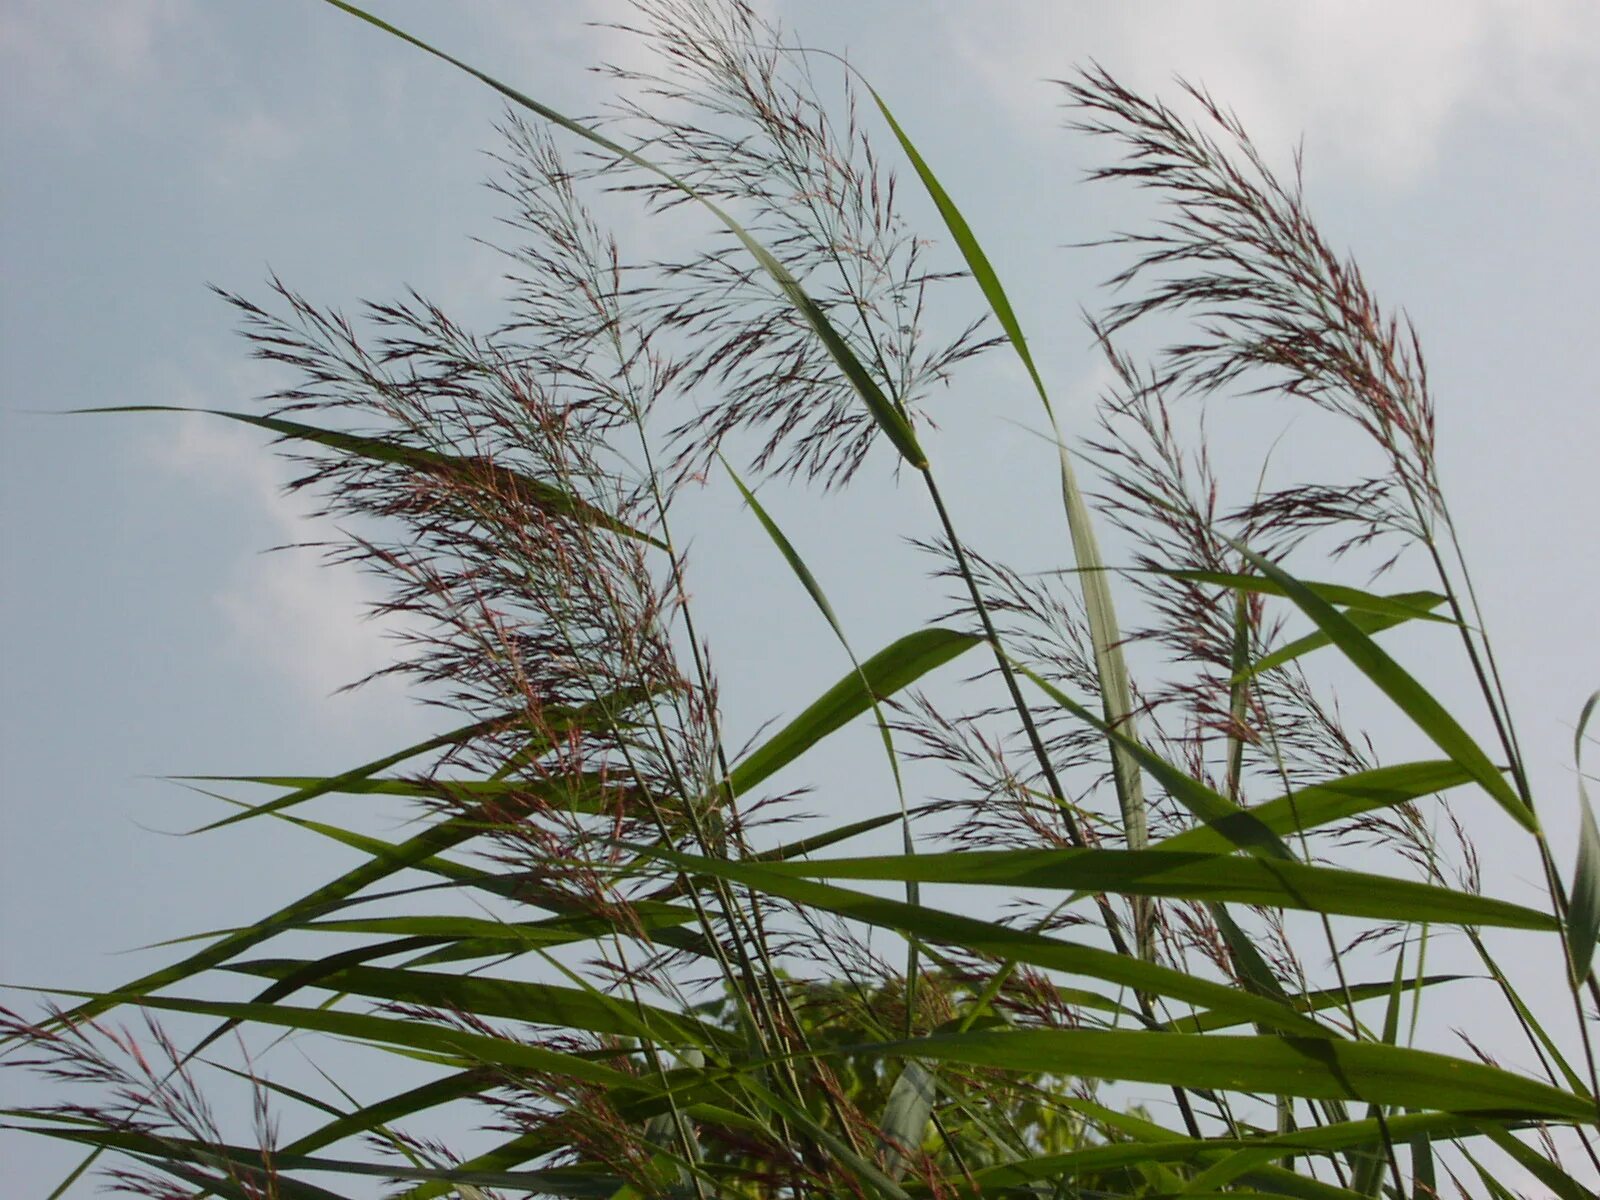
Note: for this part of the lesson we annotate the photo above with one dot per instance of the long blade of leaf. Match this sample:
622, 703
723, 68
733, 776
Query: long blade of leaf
1395, 682
1269, 883
1313, 1068
1002, 942
1319, 804
1583, 917
485, 996
1368, 622
503, 480
1110, 663
894, 667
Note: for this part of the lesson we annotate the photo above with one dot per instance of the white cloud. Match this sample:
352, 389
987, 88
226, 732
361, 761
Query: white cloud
287, 612
65, 62
245, 144
1373, 83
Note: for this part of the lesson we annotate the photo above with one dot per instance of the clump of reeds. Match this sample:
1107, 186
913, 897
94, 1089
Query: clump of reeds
668, 983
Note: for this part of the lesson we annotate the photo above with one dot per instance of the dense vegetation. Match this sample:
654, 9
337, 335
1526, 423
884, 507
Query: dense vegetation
1122, 949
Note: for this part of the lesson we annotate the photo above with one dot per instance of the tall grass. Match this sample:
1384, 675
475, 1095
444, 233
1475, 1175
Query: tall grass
1147, 968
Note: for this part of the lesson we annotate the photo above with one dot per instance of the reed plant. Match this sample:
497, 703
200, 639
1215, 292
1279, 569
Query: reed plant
1158, 918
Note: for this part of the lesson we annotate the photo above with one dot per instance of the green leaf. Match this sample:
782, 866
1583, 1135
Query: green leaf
895, 667
582, 1181
1541, 1168
1313, 1068
1111, 667
1239, 826
402, 1104
883, 411
1410, 696
1151, 1145
1320, 804
487, 474
553, 722
1405, 606
1367, 622
1316, 1001
1001, 942
454, 1045
1205, 877
314, 787
1583, 917
905, 1117
486, 996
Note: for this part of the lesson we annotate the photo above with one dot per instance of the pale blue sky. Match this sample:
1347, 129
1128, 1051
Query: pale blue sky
152, 146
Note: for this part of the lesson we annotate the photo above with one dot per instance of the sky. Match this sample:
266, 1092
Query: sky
153, 147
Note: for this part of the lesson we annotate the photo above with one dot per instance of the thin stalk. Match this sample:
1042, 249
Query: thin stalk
1058, 793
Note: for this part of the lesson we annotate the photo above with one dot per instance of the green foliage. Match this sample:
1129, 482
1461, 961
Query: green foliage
604, 942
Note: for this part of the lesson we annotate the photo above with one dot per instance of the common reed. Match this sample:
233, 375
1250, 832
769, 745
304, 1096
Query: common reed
674, 986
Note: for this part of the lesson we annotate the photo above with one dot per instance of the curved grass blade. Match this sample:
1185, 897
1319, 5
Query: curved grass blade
1541, 1168
436, 1092
413, 852
335, 783
265, 1176
1312, 1002
1219, 878
552, 723
443, 1043
1311, 1068
1368, 622
486, 996
889, 419
894, 667
820, 599
1410, 696
1144, 1146
1405, 606
1002, 942
1320, 804
490, 477
1110, 664
1583, 918
1238, 825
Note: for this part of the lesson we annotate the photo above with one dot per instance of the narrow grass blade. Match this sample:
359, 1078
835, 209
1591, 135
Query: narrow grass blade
447, 1044
488, 477
1320, 804
895, 667
820, 599
580, 1183
335, 783
1410, 696
1583, 918
1159, 1145
1004, 943
1268, 883
1368, 622
1239, 826
538, 1003
1317, 1001
1541, 1168
1405, 606
1110, 664
1312, 1068
403, 1104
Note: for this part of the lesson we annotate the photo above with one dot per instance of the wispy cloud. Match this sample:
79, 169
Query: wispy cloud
65, 63
1376, 84
288, 614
